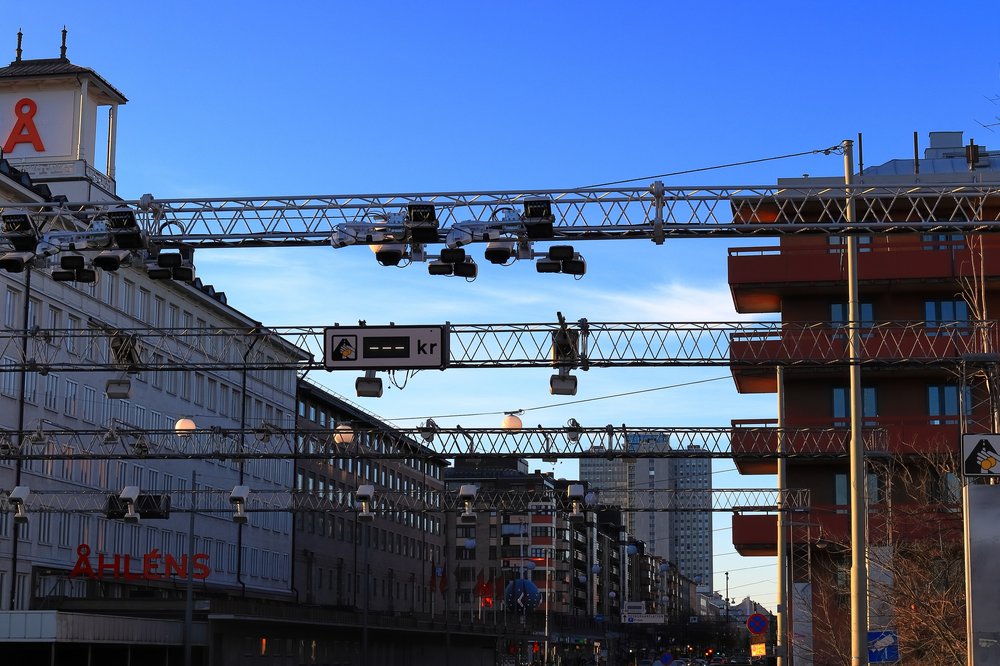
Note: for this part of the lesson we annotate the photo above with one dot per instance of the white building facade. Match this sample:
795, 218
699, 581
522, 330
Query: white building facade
49, 129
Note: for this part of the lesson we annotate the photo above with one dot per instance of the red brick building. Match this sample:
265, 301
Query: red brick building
918, 394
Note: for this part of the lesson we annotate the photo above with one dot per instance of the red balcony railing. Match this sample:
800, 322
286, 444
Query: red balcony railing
886, 435
885, 343
816, 260
828, 526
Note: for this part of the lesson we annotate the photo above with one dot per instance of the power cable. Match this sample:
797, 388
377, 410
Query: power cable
826, 151
560, 404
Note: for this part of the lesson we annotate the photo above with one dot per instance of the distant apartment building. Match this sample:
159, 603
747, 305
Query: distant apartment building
574, 561
681, 537
384, 564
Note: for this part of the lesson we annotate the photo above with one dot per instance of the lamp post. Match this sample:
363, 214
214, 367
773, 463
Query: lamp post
189, 587
727, 611
183, 428
242, 463
549, 563
22, 378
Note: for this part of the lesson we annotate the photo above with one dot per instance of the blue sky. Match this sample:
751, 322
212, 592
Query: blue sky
252, 98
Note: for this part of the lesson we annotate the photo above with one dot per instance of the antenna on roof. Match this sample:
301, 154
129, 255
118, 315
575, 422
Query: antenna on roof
19, 36
62, 49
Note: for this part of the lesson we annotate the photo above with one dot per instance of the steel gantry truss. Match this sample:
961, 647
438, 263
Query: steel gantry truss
121, 441
655, 212
600, 345
217, 501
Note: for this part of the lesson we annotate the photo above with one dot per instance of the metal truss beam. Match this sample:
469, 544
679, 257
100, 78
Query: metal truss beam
655, 212
599, 345
609, 442
389, 502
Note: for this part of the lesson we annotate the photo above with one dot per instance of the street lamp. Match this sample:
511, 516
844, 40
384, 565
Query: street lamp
184, 426
343, 434
511, 421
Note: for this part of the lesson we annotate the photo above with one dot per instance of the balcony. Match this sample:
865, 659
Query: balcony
753, 354
752, 441
827, 526
760, 276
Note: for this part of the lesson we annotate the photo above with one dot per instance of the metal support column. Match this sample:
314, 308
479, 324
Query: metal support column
784, 645
859, 573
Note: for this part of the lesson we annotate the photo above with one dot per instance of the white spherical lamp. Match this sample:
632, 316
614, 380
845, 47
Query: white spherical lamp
343, 434
184, 426
511, 422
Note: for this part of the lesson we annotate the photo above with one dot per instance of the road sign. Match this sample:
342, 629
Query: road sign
385, 347
979, 455
883, 646
634, 607
757, 623
643, 618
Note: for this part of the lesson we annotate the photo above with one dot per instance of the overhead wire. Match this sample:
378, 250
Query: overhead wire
826, 151
561, 404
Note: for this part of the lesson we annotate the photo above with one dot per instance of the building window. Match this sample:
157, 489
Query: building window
159, 308
51, 397
128, 296
109, 287
8, 378
943, 403
69, 406
199, 388
10, 309
949, 490
874, 492
142, 305
89, 404
839, 243
839, 314
30, 381
943, 242
73, 324
842, 404
952, 313
55, 319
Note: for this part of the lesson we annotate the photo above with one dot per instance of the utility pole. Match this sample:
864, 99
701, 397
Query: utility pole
727, 613
859, 573
784, 644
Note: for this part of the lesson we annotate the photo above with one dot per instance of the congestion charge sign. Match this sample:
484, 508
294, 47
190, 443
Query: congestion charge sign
757, 623
385, 347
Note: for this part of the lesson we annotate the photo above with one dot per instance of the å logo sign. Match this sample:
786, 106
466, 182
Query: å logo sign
151, 566
24, 130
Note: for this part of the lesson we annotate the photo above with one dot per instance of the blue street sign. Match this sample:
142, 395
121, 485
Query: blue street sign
666, 659
883, 646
